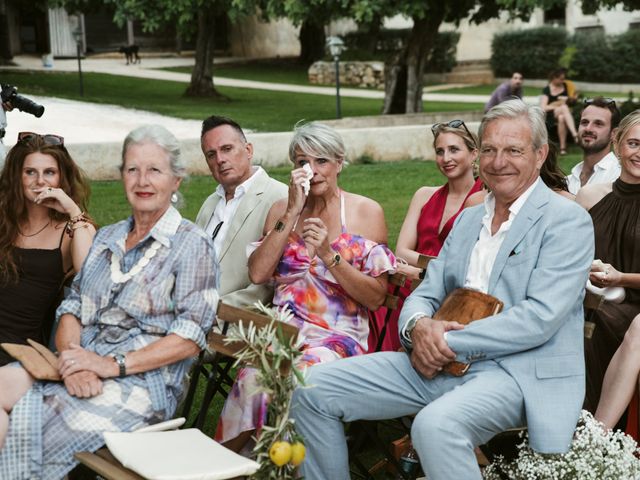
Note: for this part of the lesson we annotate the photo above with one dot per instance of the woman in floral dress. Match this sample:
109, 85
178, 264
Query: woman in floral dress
327, 256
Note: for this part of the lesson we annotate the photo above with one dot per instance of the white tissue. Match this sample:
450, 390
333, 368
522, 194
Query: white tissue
610, 294
306, 185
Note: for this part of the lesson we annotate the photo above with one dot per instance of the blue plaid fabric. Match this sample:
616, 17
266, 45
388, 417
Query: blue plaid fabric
174, 294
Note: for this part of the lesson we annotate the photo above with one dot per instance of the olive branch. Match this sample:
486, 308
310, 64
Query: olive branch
274, 357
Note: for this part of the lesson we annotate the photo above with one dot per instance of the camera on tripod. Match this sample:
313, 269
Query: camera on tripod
10, 95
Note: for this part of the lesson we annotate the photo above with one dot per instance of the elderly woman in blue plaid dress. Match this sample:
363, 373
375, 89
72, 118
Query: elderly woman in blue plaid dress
137, 314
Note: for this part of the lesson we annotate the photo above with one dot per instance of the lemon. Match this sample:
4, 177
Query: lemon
280, 453
297, 453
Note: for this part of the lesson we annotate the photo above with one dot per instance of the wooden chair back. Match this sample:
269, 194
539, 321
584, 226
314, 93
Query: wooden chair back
592, 303
232, 316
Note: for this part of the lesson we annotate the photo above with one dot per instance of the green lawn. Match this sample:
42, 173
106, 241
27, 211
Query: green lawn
258, 110
274, 71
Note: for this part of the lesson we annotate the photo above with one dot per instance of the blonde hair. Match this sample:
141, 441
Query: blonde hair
317, 140
624, 128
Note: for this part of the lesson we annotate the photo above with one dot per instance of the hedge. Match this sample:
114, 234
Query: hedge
534, 52
590, 56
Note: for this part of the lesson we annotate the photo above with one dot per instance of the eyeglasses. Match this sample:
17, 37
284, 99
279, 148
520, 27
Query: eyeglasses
47, 138
453, 124
216, 230
606, 100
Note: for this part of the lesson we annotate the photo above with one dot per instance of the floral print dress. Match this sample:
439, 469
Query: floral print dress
332, 324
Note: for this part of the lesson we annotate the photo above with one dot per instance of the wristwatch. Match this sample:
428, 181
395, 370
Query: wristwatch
119, 358
279, 226
411, 324
335, 262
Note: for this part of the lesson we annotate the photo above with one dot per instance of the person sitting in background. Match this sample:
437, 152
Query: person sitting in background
44, 234
137, 314
615, 210
327, 255
508, 90
432, 212
554, 101
235, 213
599, 164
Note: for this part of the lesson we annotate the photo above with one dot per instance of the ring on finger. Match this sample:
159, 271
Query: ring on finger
49, 190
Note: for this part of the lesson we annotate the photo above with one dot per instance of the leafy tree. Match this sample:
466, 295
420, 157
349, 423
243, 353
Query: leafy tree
191, 17
406, 70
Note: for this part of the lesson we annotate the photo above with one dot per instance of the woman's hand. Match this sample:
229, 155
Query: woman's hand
297, 197
409, 270
77, 359
58, 200
315, 233
604, 275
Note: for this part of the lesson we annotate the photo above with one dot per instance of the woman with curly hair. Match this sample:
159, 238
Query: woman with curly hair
45, 233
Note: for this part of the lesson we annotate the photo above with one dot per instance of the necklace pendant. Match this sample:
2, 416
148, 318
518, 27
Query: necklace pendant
116, 273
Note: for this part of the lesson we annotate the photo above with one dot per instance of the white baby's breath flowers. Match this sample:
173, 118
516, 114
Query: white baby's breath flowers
595, 454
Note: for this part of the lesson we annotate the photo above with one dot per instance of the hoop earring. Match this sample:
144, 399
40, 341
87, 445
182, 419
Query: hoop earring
475, 168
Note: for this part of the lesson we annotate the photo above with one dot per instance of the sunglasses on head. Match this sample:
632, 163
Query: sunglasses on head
47, 138
453, 124
606, 100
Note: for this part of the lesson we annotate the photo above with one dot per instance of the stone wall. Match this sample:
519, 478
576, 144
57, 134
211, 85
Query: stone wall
352, 74
100, 161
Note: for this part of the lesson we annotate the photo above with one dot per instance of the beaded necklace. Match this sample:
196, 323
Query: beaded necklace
116, 274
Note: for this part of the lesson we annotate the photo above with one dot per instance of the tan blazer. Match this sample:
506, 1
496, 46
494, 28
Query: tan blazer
246, 227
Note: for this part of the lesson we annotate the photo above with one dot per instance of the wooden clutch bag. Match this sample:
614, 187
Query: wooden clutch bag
38, 360
464, 306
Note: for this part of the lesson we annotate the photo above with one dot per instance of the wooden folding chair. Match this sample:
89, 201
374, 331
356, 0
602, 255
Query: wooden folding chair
365, 433
392, 299
103, 463
592, 303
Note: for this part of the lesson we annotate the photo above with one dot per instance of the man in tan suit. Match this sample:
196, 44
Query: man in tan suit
233, 216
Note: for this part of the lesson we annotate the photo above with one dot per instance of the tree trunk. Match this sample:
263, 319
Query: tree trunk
5, 43
312, 42
404, 77
202, 73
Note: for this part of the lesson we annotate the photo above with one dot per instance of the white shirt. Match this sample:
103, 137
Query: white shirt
225, 210
485, 251
606, 170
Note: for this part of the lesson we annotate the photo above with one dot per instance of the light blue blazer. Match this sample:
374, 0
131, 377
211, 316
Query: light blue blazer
540, 274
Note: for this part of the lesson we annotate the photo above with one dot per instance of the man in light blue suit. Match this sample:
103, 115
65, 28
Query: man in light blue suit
527, 363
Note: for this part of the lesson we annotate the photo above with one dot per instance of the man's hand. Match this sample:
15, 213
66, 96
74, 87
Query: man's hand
83, 384
430, 350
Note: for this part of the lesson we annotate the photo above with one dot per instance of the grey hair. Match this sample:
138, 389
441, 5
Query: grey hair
317, 140
516, 108
163, 138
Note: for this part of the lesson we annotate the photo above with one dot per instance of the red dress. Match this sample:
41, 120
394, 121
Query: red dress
430, 242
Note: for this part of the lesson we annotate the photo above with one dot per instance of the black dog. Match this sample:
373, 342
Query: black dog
131, 53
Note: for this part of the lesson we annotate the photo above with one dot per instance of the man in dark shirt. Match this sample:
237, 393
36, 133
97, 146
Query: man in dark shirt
506, 91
